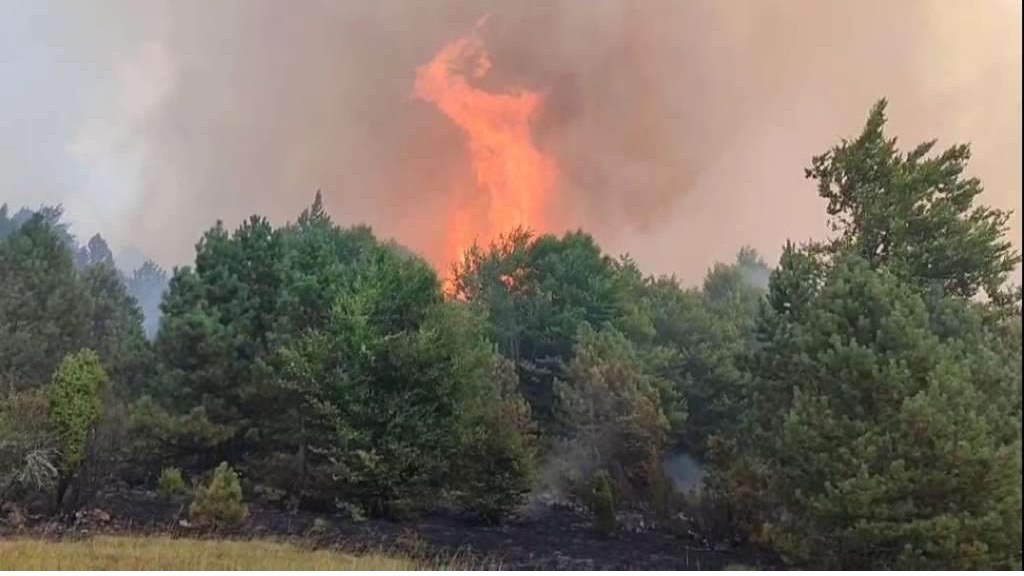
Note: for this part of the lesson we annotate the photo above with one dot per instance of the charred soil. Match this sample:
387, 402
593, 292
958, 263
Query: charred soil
556, 538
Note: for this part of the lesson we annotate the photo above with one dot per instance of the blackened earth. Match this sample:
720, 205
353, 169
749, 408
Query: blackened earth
555, 539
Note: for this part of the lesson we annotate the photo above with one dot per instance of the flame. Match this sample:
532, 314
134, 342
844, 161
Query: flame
514, 177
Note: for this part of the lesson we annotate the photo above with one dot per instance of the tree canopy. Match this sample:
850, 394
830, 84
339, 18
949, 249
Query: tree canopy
914, 213
881, 425
856, 406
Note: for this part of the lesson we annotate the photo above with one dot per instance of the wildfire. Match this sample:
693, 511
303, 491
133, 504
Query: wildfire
514, 177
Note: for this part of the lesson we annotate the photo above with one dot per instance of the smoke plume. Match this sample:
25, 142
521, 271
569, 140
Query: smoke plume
679, 130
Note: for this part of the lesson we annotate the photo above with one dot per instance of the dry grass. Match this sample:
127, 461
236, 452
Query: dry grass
163, 553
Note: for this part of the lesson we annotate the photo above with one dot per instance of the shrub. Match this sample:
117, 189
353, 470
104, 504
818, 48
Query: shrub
602, 504
391, 415
171, 483
75, 405
26, 451
75, 410
495, 483
350, 510
496, 461
610, 407
219, 503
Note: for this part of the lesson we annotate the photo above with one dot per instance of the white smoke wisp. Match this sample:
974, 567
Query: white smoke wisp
115, 159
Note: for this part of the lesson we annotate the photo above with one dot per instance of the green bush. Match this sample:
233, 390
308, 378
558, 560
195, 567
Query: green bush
602, 504
496, 458
219, 503
171, 483
75, 405
75, 410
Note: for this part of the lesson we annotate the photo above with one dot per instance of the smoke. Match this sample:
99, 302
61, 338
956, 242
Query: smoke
686, 473
115, 164
680, 129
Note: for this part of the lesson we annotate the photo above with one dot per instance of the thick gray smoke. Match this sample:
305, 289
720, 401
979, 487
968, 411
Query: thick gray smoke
680, 128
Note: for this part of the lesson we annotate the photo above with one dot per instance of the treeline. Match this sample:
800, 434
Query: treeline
145, 283
857, 406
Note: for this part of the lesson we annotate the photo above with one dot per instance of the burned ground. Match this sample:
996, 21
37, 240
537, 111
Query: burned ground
555, 538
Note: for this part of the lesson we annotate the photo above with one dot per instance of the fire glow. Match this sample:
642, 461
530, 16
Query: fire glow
514, 180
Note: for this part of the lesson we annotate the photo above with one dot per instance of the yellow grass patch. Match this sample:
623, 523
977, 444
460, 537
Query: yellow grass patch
163, 553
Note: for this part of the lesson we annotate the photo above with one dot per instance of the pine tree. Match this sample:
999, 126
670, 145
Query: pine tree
897, 448
882, 426
45, 309
115, 329
913, 213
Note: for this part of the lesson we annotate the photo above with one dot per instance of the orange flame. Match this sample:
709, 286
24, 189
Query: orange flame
513, 175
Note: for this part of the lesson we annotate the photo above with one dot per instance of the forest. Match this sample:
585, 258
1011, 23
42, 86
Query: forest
855, 405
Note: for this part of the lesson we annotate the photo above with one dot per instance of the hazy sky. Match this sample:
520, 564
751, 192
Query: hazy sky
680, 128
